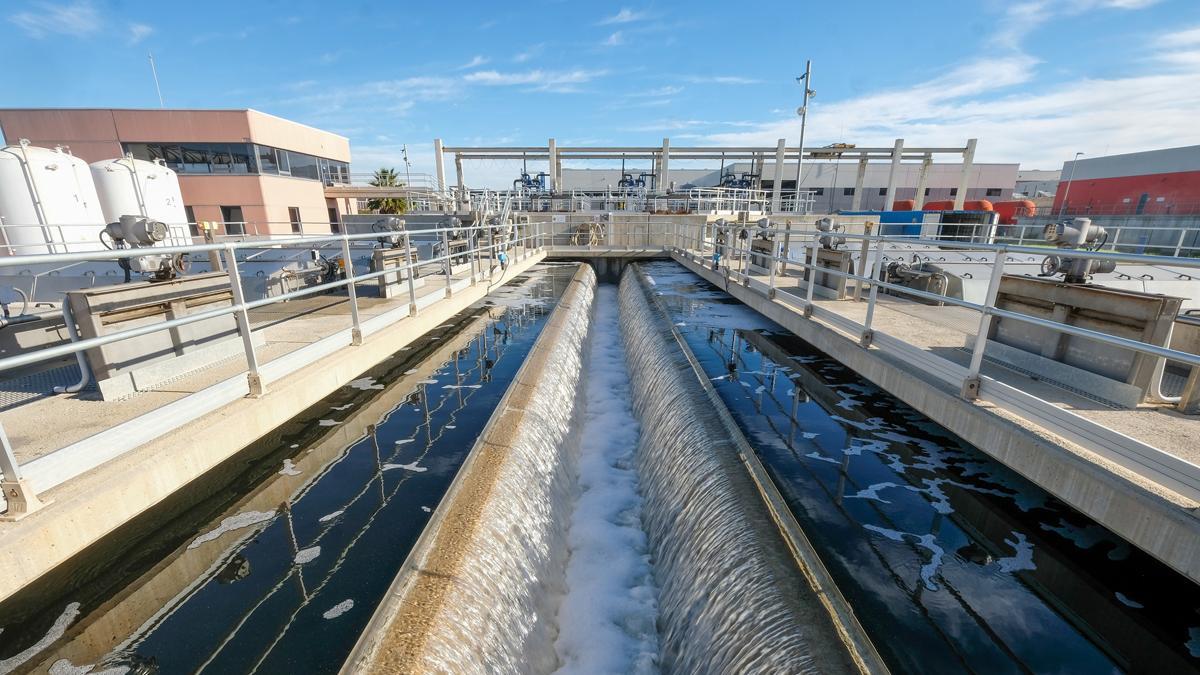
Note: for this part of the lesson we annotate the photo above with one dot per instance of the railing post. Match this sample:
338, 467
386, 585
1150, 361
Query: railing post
412, 271
868, 335
21, 498
810, 268
970, 387
772, 260
446, 260
491, 253
1179, 243
862, 260
356, 336
787, 246
253, 379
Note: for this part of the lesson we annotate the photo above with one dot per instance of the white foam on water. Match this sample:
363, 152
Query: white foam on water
330, 516
57, 630
809, 434
426, 509
328, 423
365, 383
462, 386
232, 523
1128, 602
402, 441
339, 609
407, 467
294, 445
340, 408
606, 619
289, 469
307, 555
65, 667
1022, 559
872, 492
823, 458
450, 426
926, 541
426, 381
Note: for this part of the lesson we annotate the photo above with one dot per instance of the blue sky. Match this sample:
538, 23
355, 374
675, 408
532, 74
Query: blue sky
1034, 80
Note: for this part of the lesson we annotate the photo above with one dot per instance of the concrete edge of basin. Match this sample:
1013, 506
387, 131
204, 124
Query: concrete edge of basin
415, 595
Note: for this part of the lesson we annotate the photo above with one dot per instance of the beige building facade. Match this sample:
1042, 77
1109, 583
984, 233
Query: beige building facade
250, 172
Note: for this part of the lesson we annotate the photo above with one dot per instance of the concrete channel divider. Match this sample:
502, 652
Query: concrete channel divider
818, 591
104, 481
432, 618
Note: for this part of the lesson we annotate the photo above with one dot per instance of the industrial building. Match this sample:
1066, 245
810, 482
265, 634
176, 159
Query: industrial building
1034, 183
254, 173
1156, 182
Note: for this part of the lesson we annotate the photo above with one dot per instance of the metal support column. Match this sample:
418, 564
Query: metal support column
464, 200
965, 180
862, 259
777, 183
970, 387
810, 271
439, 167
553, 170
897, 152
356, 336
253, 379
664, 178
922, 182
856, 203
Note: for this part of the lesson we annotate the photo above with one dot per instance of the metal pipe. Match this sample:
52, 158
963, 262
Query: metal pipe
85, 373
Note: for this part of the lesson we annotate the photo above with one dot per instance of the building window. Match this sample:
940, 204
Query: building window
335, 226
193, 227
882, 192
953, 192
235, 222
241, 158
993, 192
818, 192
926, 192
294, 216
848, 192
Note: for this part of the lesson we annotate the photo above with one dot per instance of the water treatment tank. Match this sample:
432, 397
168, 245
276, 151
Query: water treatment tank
135, 187
48, 203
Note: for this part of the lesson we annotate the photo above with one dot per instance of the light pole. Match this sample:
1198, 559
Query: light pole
805, 81
1067, 190
407, 167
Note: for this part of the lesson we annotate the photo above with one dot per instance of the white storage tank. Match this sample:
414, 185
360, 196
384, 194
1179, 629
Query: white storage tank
135, 187
48, 202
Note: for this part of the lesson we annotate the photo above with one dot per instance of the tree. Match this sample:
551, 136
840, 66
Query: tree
388, 205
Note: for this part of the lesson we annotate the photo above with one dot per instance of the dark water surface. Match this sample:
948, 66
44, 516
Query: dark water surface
277, 561
951, 561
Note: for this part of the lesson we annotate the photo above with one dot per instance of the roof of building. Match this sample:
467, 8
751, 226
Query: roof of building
1150, 162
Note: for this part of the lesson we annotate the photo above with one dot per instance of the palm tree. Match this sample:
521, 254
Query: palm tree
388, 205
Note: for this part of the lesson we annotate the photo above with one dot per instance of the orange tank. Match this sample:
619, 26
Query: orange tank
948, 205
904, 205
1011, 210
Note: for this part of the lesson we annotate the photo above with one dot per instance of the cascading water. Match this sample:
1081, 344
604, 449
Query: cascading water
498, 614
729, 601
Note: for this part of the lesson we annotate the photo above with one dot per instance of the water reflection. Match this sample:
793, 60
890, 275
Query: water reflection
952, 561
285, 576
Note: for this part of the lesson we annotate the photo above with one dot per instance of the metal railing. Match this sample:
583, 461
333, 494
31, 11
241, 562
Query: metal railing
517, 242
1161, 467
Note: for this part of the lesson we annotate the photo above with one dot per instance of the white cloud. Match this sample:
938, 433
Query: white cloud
139, 32
529, 53
76, 18
613, 40
541, 80
1189, 37
721, 79
474, 62
668, 90
626, 15
1036, 126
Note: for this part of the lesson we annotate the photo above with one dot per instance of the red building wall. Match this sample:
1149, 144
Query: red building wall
1165, 193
